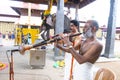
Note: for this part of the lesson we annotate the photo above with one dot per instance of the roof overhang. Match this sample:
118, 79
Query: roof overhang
24, 11
69, 3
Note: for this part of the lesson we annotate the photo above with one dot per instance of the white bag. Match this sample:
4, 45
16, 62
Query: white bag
49, 20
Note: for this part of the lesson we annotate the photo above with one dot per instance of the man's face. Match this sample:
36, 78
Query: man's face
86, 27
72, 27
87, 31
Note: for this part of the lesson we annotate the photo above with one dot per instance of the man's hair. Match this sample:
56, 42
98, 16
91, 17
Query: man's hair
94, 23
76, 23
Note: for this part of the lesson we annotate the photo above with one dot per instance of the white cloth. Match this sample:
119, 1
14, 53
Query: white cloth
80, 71
49, 20
83, 71
68, 59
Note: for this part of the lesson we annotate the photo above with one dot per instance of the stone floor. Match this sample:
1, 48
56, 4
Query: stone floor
23, 70
114, 66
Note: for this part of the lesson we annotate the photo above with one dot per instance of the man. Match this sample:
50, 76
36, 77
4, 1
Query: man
69, 60
47, 24
89, 51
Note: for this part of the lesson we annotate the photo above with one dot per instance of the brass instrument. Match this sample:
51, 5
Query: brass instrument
22, 49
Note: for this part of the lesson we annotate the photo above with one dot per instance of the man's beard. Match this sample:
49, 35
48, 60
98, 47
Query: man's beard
88, 33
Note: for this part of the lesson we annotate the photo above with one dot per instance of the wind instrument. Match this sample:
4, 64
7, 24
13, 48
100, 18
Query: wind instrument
22, 49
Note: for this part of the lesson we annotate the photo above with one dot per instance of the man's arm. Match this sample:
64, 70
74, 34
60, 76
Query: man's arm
90, 56
62, 47
65, 48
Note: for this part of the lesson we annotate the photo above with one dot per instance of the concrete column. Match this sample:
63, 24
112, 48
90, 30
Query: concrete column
111, 30
59, 27
29, 15
76, 12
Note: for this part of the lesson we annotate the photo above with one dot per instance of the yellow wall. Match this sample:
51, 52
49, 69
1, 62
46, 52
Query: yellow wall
34, 34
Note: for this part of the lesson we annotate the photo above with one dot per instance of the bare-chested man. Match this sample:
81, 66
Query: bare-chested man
89, 51
69, 60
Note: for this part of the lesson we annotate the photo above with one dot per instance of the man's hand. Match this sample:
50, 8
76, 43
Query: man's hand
65, 39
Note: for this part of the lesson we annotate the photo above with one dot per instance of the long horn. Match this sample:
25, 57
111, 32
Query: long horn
22, 49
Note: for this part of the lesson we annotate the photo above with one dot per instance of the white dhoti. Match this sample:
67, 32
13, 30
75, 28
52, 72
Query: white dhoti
83, 71
68, 59
80, 71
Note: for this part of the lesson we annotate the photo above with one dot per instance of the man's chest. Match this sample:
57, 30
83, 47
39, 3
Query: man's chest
85, 46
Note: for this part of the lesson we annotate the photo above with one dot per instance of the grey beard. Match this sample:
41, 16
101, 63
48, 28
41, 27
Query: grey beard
88, 34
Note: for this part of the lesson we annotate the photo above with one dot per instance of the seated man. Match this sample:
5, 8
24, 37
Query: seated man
89, 51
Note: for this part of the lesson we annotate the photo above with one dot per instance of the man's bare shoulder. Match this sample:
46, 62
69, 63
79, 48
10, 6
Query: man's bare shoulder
95, 45
98, 44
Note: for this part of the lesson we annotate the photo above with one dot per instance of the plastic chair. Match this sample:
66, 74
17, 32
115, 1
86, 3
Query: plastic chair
104, 74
